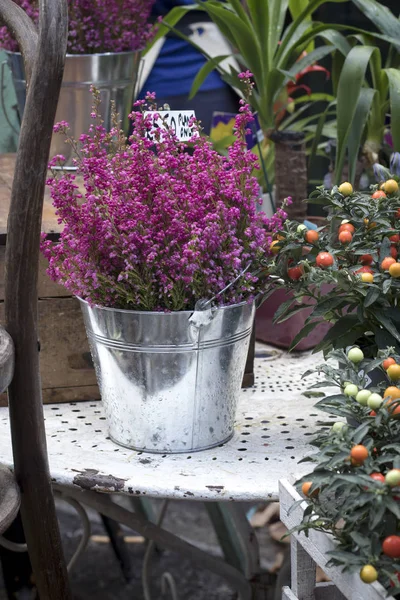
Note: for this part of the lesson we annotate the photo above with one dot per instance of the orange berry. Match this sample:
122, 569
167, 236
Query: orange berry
387, 262
395, 412
387, 362
305, 488
275, 247
378, 194
367, 277
391, 186
312, 236
358, 454
394, 270
347, 227
345, 237
394, 372
392, 392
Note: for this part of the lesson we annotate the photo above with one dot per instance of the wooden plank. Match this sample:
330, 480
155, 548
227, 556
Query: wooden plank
7, 359
65, 359
7, 166
46, 287
317, 544
287, 594
328, 591
303, 571
323, 591
82, 393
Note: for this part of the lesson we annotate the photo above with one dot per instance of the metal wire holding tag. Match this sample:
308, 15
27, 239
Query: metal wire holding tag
202, 304
203, 312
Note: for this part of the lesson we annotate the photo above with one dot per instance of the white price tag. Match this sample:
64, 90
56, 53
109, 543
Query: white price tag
177, 120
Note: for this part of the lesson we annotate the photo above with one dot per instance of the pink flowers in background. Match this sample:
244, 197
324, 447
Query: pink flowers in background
97, 25
157, 226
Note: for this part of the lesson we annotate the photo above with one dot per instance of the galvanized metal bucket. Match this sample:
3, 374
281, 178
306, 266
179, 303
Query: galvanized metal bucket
114, 74
169, 381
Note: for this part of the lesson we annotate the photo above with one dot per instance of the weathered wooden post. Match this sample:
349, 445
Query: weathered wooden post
44, 55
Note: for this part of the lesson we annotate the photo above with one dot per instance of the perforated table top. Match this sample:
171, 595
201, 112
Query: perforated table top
272, 433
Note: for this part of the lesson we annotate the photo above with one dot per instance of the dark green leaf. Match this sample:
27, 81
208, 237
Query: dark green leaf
373, 294
204, 72
304, 331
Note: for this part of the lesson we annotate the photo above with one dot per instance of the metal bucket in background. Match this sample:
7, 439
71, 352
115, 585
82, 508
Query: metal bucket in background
169, 383
114, 74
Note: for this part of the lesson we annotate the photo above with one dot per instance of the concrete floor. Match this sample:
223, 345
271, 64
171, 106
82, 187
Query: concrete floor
98, 575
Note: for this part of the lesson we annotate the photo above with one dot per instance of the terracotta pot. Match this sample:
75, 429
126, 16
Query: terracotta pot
282, 334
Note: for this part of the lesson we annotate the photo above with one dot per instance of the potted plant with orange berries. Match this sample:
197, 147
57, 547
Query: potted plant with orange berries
355, 254
354, 490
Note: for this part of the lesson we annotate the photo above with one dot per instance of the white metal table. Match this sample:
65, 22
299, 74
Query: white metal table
274, 424
275, 421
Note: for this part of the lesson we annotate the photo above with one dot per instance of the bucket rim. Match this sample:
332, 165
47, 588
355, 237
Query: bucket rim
125, 52
156, 312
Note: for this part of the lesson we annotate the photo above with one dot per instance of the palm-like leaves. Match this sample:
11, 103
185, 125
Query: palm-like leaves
264, 46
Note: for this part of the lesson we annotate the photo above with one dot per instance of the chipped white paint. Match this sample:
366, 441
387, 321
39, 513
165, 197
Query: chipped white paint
274, 425
314, 548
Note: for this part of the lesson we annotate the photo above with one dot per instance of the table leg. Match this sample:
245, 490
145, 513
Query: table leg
104, 505
118, 544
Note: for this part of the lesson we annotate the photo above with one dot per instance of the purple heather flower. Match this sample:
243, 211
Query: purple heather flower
159, 229
96, 25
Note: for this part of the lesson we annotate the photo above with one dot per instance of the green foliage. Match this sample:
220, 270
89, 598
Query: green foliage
362, 108
262, 44
358, 511
356, 309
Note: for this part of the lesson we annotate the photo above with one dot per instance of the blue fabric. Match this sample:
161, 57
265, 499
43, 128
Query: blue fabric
178, 62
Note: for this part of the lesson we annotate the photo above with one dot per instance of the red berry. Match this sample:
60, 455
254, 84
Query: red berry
295, 273
345, 237
366, 259
324, 260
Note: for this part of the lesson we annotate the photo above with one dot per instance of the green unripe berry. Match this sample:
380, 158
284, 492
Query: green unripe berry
338, 426
362, 397
356, 355
375, 401
392, 477
301, 228
351, 390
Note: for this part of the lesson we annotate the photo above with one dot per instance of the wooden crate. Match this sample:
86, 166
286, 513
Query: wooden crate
66, 367
308, 552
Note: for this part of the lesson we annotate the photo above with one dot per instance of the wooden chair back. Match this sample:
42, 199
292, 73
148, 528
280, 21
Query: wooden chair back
43, 52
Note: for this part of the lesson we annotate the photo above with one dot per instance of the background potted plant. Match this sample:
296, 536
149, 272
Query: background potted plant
272, 51
353, 491
104, 47
163, 247
356, 255
367, 110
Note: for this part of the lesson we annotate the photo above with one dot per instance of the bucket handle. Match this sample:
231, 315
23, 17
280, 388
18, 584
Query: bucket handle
3, 104
204, 303
203, 313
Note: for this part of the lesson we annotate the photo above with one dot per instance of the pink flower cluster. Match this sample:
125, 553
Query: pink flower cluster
96, 25
158, 224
